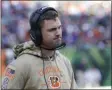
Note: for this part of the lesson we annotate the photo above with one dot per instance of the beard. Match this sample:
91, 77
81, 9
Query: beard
52, 45
57, 44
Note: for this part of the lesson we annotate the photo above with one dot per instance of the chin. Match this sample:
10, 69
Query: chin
54, 44
58, 44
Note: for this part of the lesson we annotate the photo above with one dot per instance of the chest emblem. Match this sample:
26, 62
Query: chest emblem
54, 82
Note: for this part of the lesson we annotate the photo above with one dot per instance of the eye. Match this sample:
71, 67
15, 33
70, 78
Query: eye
60, 27
52, 29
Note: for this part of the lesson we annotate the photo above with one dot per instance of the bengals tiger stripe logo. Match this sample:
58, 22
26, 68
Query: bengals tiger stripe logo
54, 82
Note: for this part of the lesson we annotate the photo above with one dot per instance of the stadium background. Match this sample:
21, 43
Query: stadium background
86, 30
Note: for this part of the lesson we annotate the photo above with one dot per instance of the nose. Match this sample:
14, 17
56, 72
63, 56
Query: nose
58, 32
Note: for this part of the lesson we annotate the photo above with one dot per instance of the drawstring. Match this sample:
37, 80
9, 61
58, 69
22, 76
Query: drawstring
53, 73
44, 74
44, 67
57, 66
44, 70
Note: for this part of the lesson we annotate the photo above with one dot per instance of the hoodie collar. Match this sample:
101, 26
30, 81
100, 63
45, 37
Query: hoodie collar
28, 48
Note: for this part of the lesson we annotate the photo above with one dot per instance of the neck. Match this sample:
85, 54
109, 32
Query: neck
47, 53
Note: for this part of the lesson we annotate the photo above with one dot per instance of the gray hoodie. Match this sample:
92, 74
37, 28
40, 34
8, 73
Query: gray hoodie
31, 71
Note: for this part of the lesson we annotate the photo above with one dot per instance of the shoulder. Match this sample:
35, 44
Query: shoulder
26, 58
21, 63
64, 58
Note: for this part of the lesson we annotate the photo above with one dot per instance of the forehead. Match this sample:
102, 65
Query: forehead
51, 23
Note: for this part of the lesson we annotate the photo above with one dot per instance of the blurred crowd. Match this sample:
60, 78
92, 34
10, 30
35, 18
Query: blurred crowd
82, 31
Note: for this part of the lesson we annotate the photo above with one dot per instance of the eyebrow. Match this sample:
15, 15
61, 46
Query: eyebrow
54, 28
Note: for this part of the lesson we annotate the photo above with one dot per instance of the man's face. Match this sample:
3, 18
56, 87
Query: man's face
51, 33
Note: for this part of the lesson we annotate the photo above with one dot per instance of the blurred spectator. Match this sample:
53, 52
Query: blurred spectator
9, 55
92, 77
3, 61
80, 78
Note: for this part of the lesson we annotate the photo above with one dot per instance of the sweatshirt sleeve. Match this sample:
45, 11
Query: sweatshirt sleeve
14, 76
73, 83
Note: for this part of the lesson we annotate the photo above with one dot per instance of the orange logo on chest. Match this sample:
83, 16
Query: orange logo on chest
54, 82
48, 70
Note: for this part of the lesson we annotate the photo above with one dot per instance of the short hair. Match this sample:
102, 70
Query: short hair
49, 15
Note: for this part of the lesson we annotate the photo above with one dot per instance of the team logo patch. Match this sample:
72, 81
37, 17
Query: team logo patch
5, 83
10, 72
54, 82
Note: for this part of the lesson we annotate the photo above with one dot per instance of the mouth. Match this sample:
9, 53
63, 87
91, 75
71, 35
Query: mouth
59, 38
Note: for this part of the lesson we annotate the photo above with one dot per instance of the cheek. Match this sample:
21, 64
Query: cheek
48, 37
44, 35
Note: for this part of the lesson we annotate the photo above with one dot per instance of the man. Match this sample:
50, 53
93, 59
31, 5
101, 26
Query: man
38, 64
